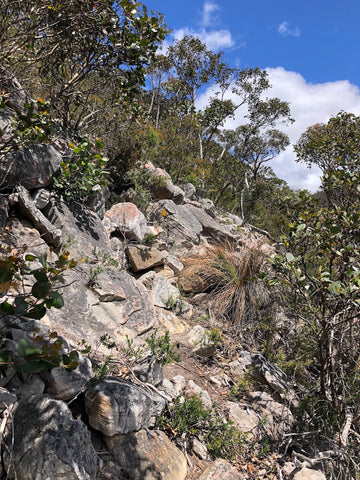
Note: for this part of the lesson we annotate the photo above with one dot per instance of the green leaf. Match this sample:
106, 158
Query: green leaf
7, 308
290, 257
29, 257
41, 289
36, 313
55, 300
40, 276
34, 365
21, 346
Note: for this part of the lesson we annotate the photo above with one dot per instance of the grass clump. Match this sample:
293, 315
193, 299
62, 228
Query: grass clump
228, 276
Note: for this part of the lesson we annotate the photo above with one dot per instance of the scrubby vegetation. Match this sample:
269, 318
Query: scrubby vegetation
111, 105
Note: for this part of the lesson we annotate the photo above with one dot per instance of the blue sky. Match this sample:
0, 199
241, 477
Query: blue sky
309, 48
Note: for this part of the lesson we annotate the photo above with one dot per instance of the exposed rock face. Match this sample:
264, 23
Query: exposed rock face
148, 455
49, 443
189, 222
128, 220
221, 470
115, 407
246, 420
86, 316
33, 167
148, 370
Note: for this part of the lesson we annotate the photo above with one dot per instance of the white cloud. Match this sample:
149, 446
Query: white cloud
207, 14
287, 30
214, 39
310, 104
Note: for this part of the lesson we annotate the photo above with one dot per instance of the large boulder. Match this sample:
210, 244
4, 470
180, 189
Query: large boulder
48, 443
128, 220
83, 232
88, 313
33, 167
148, 455
189, 222
116, 406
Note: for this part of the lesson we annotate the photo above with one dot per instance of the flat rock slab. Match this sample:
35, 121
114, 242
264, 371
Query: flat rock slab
143, 258
84, 316
49, 444
148, 455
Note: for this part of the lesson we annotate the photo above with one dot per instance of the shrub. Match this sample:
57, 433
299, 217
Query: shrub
162, 349
29, 287
188, 417
84, 173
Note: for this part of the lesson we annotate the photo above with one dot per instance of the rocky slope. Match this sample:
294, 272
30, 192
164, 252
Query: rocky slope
134, 280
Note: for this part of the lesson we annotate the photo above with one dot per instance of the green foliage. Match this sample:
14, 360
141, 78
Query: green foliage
102, 45
84, 172
133, 353
149, 239
29, 127
103, 368
162, 348
23, 301
187, 416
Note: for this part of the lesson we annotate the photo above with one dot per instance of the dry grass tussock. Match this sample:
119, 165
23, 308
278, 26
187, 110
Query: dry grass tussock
229, 277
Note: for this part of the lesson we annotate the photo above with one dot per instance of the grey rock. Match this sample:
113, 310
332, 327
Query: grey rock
148, 370
82, 230
277, 417
41, 198
49, 443
33, 167
107, 288
84, 316
178, 195
199, 338
128, 220
208, 206
200, 449
6, 398
65, 385
242, 364
148, 455
188, 222
28, 208
189, 190
244, 418
221, 470
164, 294
194, 389
116, 406
309, 474
174, 263
160, 184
